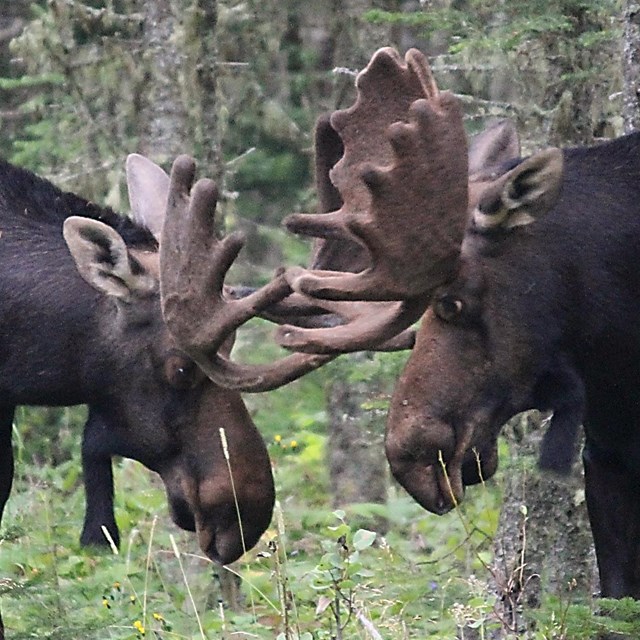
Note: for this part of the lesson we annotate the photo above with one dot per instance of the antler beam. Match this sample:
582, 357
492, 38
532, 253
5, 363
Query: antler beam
193, 265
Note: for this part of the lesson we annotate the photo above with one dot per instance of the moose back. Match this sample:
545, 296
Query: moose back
88, 329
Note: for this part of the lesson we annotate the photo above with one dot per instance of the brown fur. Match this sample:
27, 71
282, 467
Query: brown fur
101, 341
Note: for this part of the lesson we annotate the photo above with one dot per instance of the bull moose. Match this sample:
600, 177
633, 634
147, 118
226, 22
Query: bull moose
523, 270
81, 323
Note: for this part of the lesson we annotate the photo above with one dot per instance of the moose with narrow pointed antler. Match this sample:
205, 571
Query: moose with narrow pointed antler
525, 274
81, 323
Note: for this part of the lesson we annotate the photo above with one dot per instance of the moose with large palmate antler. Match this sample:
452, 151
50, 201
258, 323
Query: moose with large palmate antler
524, 272
81, 323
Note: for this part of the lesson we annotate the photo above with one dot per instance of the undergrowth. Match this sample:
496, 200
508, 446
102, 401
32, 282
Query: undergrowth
314, 575
364, 572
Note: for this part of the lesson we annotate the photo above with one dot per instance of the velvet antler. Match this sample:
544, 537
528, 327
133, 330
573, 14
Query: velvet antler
193, 265
409, 209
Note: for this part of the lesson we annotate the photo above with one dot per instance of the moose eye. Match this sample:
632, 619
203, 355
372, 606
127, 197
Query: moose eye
181, 373
448, 307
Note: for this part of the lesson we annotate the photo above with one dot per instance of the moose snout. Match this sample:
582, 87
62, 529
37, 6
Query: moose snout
227, 531
417, 450
422, 483
226, 523
434, 456
435, 472
229, 523
480, 464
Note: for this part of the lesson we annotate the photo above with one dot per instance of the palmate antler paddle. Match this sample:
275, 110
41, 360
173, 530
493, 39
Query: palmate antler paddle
402, 184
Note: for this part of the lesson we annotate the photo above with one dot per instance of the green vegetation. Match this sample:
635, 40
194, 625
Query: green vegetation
310, 563
77, 91
477, 25
314, 575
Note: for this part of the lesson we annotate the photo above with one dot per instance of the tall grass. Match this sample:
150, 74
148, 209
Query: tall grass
314, 575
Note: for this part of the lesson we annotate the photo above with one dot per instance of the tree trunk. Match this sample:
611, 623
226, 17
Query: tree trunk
631, 71
163, 119
543, 544
357, 465
202, 72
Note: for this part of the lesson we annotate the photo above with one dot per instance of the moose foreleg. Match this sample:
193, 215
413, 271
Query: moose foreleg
614, 513
565, 394
6, 456
98, 483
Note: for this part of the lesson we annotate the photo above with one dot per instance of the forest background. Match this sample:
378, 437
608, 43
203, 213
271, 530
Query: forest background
238, 85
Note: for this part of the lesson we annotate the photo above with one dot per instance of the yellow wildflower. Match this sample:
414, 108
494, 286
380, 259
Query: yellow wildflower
277, 438
293, 444
139, 627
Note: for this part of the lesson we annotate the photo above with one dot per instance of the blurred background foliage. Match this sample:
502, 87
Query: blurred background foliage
77, 78
239, 84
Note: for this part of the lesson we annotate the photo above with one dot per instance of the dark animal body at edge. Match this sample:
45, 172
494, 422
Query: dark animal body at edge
63, 342
549, 320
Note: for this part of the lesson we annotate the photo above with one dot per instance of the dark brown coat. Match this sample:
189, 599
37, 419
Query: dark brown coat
100, 340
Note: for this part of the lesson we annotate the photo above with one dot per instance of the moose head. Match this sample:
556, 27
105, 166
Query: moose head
158, 406
407, 188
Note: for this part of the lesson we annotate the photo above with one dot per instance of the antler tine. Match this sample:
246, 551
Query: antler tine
193, 265
367, 326
416, 61
408, 210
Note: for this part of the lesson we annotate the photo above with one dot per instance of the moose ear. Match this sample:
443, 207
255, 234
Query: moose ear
148, 187
494, 145
523, 194
103, 260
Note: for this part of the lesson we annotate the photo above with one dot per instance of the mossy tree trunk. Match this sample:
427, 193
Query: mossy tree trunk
163, 116
543, 544
357, 465
631, 50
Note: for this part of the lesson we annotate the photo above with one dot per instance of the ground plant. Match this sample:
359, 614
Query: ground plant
318, 572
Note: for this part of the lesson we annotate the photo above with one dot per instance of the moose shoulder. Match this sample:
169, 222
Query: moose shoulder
88, 329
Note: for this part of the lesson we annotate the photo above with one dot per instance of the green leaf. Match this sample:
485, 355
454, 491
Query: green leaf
363, 538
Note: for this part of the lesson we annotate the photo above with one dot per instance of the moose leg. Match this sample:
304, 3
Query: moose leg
98, 483
614, 513
6, 456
